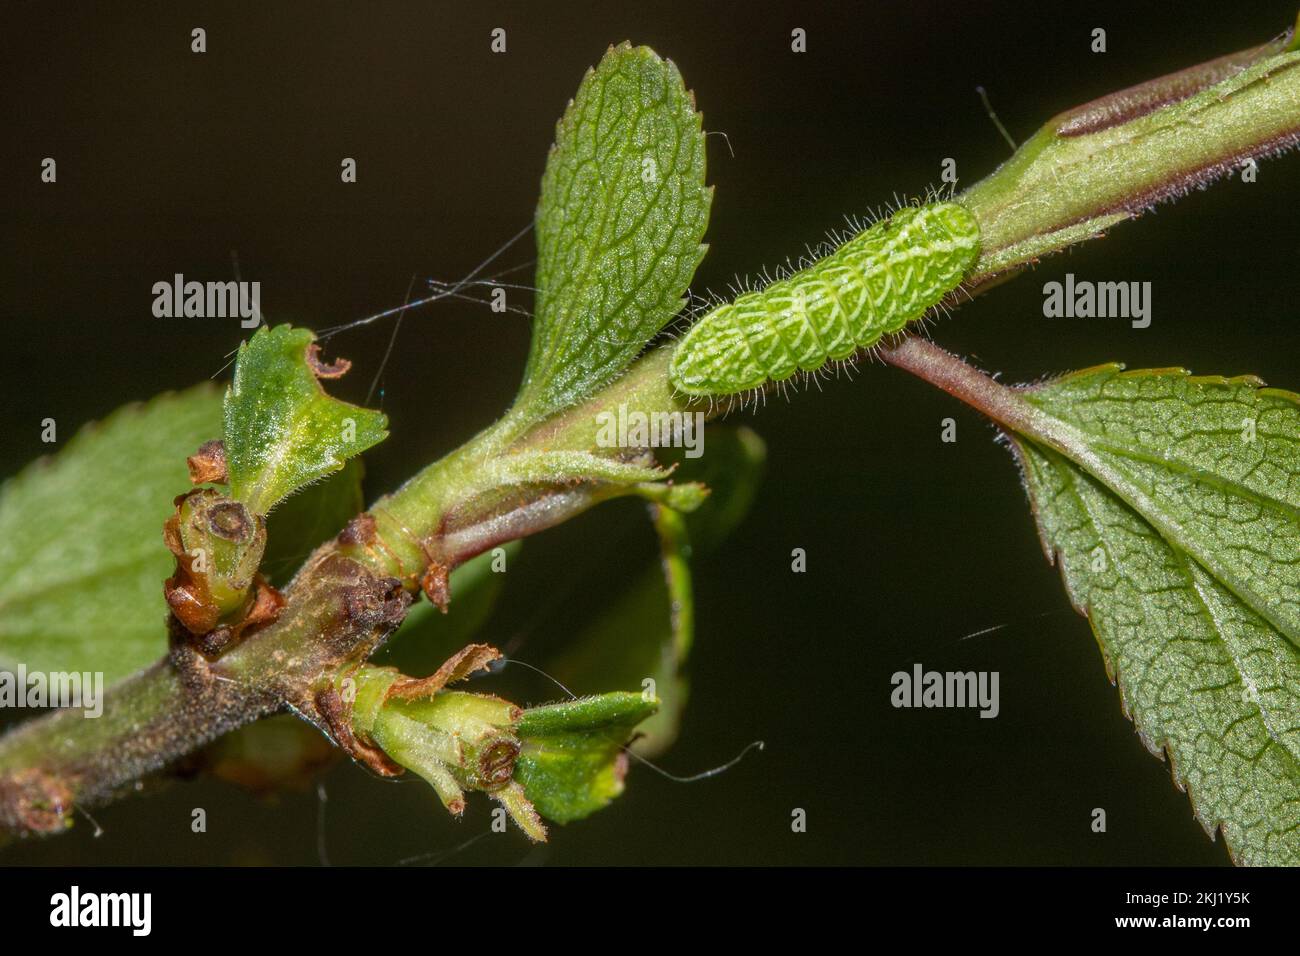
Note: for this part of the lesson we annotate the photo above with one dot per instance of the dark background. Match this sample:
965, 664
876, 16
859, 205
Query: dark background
168, 161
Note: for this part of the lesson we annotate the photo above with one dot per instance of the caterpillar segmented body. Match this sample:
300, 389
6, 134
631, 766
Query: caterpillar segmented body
872, 285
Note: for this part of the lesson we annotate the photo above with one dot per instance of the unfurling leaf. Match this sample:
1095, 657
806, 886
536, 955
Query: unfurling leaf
619, 224
82, 559
561, 760
1172, 504
282, 431
455, 740
572, 762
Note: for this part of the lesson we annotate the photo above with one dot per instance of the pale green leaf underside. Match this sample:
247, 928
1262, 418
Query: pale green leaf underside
1204, 670
622, 212
82, 560
1213, 463
282, 431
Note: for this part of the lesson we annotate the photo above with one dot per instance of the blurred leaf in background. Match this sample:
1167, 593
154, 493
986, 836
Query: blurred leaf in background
82, 560
647, 632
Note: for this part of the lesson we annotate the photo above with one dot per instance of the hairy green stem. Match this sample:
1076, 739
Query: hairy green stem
451, 510
1106, 161
343, 603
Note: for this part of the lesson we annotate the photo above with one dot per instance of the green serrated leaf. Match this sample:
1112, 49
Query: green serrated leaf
82, 560
1172, 504
1212, 463
619, 224
572, 763
282, 431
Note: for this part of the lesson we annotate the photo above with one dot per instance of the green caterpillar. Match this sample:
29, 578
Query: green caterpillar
874, 284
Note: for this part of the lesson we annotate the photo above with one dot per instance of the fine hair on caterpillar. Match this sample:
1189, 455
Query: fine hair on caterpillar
874, 284
753, 399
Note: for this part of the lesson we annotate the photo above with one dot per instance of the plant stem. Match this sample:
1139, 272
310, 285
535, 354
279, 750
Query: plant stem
1106, 161
149, 720
337, 613
1086, 170
447, 513
340, 607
